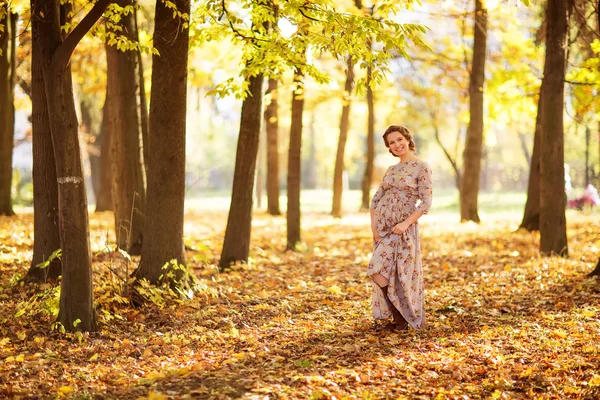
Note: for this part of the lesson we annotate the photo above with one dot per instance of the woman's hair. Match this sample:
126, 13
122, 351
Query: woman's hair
404, 132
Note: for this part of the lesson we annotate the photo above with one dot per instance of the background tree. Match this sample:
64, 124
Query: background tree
367, 180
128, 191
167, 129
272, 128
45, 186
294, 174
8, 58
338, 175
531, 215
553, 228
473, 146
236, 245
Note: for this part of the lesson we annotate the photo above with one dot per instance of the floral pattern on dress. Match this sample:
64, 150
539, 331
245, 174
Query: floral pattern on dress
405, 187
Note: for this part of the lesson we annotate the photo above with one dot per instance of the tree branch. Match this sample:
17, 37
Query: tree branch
65, 50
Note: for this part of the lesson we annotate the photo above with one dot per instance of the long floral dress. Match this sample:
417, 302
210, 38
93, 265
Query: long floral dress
398, 257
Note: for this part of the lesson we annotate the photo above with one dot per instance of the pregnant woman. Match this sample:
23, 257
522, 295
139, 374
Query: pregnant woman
395, 268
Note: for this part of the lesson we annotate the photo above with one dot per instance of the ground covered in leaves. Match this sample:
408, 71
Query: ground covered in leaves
502, 322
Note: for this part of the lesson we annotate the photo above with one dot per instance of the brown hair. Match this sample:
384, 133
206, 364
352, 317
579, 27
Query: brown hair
404, 132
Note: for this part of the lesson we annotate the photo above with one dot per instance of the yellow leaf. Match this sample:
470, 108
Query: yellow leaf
21, 335
527, 372
20, 358
335, 289
153, 396
65, 389
594, 381
94, 357
559, 334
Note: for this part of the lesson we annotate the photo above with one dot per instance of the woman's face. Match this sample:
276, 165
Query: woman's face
397, 143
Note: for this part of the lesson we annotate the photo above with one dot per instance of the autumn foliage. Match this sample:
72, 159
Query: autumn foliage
503, 322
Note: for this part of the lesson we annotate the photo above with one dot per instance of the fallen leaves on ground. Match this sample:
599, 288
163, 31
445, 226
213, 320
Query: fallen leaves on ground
502, 321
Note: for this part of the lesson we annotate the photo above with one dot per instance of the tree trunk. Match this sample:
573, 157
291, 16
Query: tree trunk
370, 162
236, 244
128, 192
166, 164
523, 142
531, 216
596, 271
553, 229
272, 124
7, 111
588, 135
45, 186
142, 97
76, 309
338, 175
295, 163
473, 146
451, 160
104, 192
309, 169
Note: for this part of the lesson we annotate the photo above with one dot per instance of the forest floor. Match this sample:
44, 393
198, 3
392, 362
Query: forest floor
503, 323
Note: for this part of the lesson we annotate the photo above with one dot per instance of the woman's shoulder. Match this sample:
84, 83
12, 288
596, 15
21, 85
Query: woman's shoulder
419, 162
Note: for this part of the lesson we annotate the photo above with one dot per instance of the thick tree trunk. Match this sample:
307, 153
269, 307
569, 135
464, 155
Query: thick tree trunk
166, 164
338, 175
553, 229
7, 111
104, 193
295, 163
272, 125
45, 186
473, 146
531, 216
367, 181
236, 245
76, 307
596, 271
128, 192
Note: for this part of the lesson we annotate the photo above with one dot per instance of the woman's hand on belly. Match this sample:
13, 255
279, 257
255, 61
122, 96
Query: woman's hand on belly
401, 227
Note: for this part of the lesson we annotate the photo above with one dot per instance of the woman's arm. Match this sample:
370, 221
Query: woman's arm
404, 225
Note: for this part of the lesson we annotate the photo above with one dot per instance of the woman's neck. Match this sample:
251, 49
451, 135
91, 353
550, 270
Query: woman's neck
407, 157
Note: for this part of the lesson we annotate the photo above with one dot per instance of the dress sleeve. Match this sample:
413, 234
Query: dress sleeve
379, 193
425, 188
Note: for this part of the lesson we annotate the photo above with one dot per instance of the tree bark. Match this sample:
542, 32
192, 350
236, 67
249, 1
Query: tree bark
370, 162
295, 163
473, 146
236, 245
76, 308
142, 97
103, 193
309, 169
596, 271
451, 160
128, 192
7, 111
272, 125
553, 229
45, 186
338, 175
531, 215
166, 164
